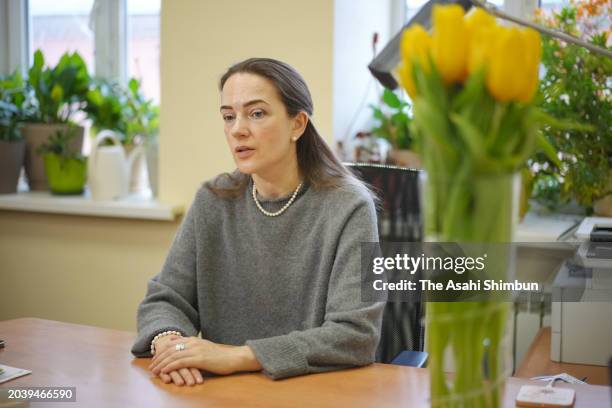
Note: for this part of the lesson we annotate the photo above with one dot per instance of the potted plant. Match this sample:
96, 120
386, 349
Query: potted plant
394, 126
66, 168
576, 87
132, 117
142, 127
12, 145
106, 102
57, 94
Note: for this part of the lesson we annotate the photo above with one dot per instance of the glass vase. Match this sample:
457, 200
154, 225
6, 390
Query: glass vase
469, 341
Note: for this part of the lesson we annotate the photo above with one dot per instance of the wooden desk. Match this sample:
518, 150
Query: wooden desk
537, 362
98, 363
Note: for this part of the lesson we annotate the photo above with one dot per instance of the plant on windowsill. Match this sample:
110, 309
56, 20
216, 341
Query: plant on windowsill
394, 126
66, 169
132, 117
12, 145
576, 86
124, 110
56, 94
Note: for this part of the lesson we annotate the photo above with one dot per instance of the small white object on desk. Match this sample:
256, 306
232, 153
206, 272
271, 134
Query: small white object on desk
8, 373
545, 397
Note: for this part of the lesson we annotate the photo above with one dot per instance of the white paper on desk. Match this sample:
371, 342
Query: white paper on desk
10, 373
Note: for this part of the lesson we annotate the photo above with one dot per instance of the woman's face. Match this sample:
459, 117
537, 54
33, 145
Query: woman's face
259, 132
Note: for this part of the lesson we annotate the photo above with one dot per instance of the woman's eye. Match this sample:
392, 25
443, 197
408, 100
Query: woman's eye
258, 114
227, 118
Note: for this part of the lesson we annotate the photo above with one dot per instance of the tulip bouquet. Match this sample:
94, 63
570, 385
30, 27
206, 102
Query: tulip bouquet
472, 83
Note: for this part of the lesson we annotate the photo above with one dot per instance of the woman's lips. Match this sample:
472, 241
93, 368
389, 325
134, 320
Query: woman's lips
244, 152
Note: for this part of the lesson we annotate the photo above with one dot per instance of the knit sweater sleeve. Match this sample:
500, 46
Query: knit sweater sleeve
171, 300
350, 332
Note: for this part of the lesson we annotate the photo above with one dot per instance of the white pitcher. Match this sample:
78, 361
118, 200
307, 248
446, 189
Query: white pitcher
108, 168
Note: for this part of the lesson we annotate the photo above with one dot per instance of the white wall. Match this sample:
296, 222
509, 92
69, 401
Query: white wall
199, 41
355, 22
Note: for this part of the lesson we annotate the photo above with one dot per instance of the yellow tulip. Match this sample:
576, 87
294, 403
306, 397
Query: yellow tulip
533, 53
416, 45
450, 42
502, 72
479, 19
414, 49
512, 72
405, 79
479, 25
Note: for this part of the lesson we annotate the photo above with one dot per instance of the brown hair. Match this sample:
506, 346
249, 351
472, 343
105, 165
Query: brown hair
318, 164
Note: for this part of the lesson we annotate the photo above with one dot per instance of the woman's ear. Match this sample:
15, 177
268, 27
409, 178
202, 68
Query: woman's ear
300, 120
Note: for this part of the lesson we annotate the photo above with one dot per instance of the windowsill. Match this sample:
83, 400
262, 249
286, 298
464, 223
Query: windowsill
135, 206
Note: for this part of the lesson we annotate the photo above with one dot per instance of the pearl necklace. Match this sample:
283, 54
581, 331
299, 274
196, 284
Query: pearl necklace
282, 210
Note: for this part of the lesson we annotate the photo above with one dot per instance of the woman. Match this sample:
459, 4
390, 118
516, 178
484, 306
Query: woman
266, 264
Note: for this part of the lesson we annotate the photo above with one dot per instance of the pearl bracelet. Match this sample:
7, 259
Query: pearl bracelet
162, 334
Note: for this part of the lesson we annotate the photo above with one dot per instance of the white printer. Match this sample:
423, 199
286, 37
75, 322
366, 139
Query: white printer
582, 298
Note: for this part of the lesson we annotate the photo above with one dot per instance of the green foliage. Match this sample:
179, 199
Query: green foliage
13, 106
123, 110
59, 91
59, 144
394, 122
106, 101
576, 87
55, 94
142, 115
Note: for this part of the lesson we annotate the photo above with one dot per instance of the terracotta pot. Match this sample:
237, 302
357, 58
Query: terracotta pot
36, 134
603, 206
11, 160
405, 158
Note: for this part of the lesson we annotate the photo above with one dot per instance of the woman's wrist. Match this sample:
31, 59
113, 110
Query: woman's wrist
168, 335
244, 359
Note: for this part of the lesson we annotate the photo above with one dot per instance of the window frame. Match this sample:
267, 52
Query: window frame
519, 8
110, 30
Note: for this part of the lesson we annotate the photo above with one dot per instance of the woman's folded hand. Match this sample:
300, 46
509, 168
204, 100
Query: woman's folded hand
204, 355
184, 376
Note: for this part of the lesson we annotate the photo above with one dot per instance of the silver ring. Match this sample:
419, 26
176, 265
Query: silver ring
180, 347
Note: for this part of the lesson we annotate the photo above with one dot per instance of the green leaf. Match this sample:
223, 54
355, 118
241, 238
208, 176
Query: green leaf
134, 85
471, 136
39, 60
548, 149
391, 99
378, 114
472, 91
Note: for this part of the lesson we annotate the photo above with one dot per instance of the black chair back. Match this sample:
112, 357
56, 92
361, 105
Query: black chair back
399, 220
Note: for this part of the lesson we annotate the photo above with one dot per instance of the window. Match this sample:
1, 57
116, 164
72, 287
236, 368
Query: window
143, 44
117, 38
552, 4
413, 6
59, 26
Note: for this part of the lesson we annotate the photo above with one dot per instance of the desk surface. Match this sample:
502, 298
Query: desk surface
537, 362
98, 363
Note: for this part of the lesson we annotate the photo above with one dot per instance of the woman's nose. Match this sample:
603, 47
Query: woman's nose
239, 128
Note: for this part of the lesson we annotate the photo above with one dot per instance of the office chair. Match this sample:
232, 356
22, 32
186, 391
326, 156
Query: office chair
399, 220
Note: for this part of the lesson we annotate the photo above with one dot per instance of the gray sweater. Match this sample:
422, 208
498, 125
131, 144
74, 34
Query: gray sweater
287, 286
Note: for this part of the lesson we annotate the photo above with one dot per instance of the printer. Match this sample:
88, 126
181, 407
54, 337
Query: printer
581, 315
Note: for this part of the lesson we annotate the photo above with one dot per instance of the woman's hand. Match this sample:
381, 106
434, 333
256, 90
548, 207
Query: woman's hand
188, 376
204, 355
